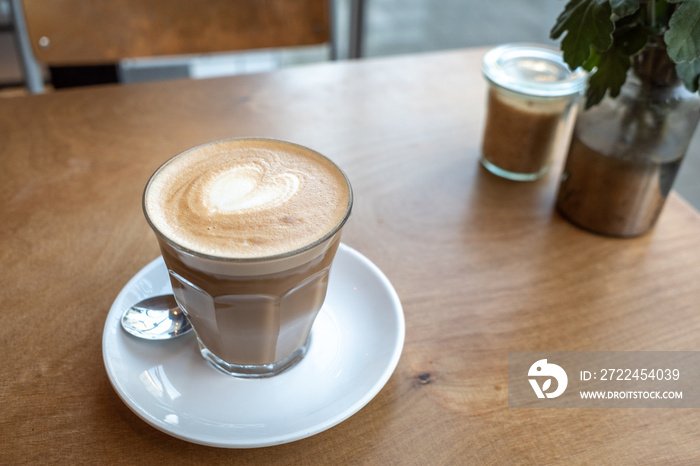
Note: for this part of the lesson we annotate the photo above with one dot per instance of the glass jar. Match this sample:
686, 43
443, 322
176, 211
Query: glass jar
625, 152
532, 101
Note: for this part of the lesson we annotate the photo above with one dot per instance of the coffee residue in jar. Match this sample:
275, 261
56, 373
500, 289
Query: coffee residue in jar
521, 134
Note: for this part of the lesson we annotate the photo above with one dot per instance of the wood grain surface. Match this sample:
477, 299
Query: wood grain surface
76, 32
482, 265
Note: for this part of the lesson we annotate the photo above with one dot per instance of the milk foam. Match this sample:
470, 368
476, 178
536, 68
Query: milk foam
247, 198
247, 188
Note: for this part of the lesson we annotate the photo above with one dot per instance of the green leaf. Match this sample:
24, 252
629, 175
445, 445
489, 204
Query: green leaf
690, 74
610, 66
587, 23
592, 61
609, 76
623, 8
683, 35
631, 40
663, 11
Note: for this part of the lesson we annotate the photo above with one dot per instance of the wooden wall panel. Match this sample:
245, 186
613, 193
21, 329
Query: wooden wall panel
72, 32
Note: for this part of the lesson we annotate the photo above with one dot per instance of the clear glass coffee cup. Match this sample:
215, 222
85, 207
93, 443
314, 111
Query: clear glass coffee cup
252, 299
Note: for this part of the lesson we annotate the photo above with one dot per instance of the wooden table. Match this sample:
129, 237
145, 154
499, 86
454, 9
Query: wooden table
483, 266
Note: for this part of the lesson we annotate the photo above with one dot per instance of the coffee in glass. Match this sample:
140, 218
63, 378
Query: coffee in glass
248, 229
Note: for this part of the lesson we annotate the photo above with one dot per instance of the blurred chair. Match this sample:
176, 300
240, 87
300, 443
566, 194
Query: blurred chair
75, 33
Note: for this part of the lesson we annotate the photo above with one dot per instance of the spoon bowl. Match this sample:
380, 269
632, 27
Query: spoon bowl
156, 318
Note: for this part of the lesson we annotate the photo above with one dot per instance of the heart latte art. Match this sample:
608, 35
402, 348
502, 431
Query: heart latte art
247, 198
247, 187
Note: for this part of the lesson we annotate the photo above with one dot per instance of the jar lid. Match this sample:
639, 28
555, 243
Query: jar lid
532, 69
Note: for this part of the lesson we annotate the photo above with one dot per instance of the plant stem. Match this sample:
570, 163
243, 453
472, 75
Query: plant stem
653, 66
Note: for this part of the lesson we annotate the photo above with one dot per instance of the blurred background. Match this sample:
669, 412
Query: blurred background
390, 27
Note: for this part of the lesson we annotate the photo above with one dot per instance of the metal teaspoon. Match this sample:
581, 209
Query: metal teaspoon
156, 318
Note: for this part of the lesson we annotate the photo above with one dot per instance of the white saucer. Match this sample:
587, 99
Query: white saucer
355, 346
